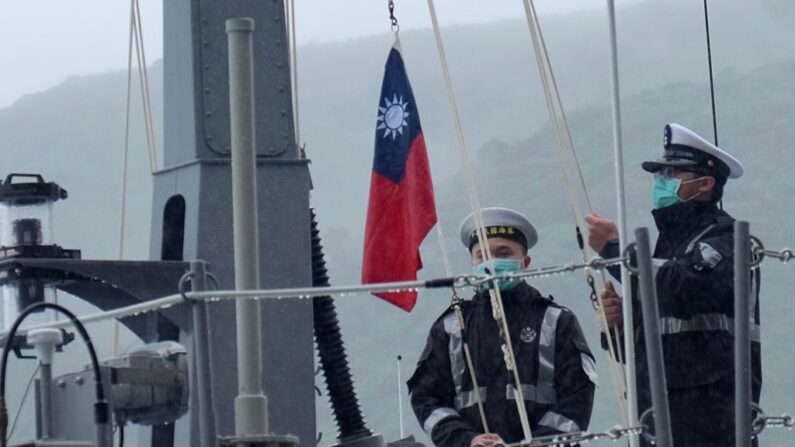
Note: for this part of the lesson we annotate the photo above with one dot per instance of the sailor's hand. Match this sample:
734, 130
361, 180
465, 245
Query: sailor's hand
611, 302
601, 230
486, 440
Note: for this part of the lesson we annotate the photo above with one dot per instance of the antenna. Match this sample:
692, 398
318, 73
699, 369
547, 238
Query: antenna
711, 81
400, 396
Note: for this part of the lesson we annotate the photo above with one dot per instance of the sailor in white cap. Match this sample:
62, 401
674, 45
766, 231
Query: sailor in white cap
556, 368
510, 235
695, 288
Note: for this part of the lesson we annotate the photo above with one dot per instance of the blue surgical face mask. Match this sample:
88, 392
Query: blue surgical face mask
499, 266
666, 191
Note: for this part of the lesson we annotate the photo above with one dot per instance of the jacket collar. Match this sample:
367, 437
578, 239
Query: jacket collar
521, 293
684, 215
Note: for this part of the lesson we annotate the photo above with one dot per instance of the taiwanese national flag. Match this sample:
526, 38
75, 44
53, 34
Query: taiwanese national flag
401, 209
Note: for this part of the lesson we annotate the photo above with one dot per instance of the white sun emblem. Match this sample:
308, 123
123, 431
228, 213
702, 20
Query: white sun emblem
393, 116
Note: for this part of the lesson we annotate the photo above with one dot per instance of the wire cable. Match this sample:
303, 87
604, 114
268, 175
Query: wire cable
711, 81
22, 403
100, 405
460, 281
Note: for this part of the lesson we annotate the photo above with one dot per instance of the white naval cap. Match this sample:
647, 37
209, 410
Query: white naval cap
684, 148
499, 222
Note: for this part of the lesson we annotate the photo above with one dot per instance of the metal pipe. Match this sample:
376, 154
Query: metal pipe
651, 330
104, 434
201, 351
251, 405
618, 149
742, 328
45, 390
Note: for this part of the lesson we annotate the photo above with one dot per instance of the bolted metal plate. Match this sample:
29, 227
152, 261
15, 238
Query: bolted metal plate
273, 102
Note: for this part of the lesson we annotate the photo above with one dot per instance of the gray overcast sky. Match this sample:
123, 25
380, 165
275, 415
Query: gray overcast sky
44, 41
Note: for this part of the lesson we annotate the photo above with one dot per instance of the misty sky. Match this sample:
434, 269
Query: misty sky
44, 41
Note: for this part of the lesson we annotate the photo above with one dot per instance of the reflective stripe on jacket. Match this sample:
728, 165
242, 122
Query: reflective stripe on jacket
556, 371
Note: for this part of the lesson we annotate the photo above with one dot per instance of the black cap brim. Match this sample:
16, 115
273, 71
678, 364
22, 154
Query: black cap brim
657, 165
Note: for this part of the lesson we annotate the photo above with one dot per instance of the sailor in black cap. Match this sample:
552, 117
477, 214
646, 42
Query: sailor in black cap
695, 288
555, 366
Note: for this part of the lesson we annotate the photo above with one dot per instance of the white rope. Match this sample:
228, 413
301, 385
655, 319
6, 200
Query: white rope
494, 292
135, 36
563, 138
147, 97
448, 269
568, 157
144, 81
125, 162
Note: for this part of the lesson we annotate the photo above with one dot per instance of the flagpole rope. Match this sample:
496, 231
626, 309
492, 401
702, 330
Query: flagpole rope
568, 158
456, 300
136, 35
125, 165
563, 137
494, 292
448, 270
144, 81
549, 83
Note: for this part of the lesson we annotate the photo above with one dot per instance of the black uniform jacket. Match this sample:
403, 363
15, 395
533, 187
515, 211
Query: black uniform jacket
556, 371
695, 289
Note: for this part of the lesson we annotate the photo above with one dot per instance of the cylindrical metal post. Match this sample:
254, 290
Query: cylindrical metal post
651, 331
45, 341
251, 410
104, 435
201, 351
742, 333
618, 150
45, 390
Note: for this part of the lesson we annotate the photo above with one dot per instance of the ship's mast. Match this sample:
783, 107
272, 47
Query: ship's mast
192, 206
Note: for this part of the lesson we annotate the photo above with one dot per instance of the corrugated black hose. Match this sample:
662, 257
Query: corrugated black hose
331, 351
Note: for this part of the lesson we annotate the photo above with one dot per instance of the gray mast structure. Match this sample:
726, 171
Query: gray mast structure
192, 206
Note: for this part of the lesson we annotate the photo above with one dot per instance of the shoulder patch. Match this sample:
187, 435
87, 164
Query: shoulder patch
710, 257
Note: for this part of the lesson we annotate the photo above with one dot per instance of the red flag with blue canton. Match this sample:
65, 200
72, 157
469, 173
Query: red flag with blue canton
401, 208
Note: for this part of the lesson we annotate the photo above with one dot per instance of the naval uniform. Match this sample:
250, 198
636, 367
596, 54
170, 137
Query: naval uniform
695, 289
556, 371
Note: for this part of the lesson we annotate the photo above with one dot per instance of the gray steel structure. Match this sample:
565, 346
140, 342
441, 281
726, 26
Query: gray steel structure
192, 207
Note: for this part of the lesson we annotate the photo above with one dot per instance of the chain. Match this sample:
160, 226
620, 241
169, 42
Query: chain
614, 433
593, 295
762, 422
784, 255
784, 421
760, 253
392, 18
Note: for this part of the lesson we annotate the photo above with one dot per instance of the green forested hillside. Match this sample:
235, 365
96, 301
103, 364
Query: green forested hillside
73, 134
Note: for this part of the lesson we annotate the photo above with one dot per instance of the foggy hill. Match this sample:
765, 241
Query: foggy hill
73, 134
